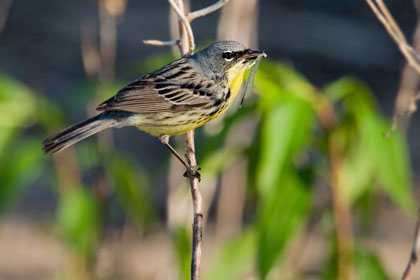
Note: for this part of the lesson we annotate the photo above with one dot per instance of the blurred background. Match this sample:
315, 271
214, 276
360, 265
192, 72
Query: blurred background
299, 183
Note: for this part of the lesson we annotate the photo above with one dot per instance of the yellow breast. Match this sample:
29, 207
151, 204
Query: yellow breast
235, 82
235, 79
177, 123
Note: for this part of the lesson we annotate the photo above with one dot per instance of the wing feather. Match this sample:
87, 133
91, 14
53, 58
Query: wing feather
155, 93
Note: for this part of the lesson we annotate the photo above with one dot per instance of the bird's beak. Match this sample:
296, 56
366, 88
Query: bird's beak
251, 54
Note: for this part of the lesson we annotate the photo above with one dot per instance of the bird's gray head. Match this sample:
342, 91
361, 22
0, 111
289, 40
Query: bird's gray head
220, 58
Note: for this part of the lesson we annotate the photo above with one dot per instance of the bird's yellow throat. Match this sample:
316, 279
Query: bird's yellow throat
235, 77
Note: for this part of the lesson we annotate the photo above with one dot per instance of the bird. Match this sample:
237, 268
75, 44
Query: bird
178, 97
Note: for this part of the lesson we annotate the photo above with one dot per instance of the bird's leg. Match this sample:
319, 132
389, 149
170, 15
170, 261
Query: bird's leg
191, 170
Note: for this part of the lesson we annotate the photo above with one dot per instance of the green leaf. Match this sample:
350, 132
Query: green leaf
78, 217
285, 130
356, 174
369, 156
280, 216
234, 258
276, 81
49, 115
17, 103
131, 186
390, 159
219, 160
20, 164
368, 266
357, 97
288, 116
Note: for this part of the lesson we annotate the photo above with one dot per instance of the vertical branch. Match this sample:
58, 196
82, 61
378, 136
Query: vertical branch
187, 47
186, 34
197, 243
409, 83
197, 209
340, 206
407, 97
414, 250
341, 209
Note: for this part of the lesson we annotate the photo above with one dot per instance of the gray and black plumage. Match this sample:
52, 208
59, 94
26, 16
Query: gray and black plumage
174, 99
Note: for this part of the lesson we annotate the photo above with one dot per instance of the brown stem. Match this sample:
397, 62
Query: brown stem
67, 171
160, 43
413, 256
341, 207
197, 242
405, 103
406, 99
187, 47
413, 58
341, 210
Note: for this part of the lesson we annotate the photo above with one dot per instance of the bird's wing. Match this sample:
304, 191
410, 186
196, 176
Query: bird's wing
156, 93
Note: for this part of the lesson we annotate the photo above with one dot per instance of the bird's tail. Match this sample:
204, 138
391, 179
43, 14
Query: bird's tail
80, 131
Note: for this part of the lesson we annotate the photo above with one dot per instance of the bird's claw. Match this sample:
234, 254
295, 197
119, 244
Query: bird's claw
192, 171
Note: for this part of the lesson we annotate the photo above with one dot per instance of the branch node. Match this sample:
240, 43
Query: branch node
186, 25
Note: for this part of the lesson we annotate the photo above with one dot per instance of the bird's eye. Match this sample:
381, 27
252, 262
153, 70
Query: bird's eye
228, 56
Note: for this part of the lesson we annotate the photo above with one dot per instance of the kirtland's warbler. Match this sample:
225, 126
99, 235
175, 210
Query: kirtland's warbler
174, 99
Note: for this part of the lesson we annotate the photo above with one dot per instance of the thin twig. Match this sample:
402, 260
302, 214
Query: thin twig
391, 20
385, 21
413, 256
210, 9
181, 14
412, 57
162, 43
414, 52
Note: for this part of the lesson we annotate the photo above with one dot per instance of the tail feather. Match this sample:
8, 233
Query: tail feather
80, 131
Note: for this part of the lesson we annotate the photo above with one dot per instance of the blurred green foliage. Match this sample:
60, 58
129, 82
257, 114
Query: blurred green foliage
292, 155
133, 185
288, 154
234, 257
370, 156
21, 159
78, 219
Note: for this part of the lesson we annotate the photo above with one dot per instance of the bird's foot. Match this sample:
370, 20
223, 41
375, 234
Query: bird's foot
192, 171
